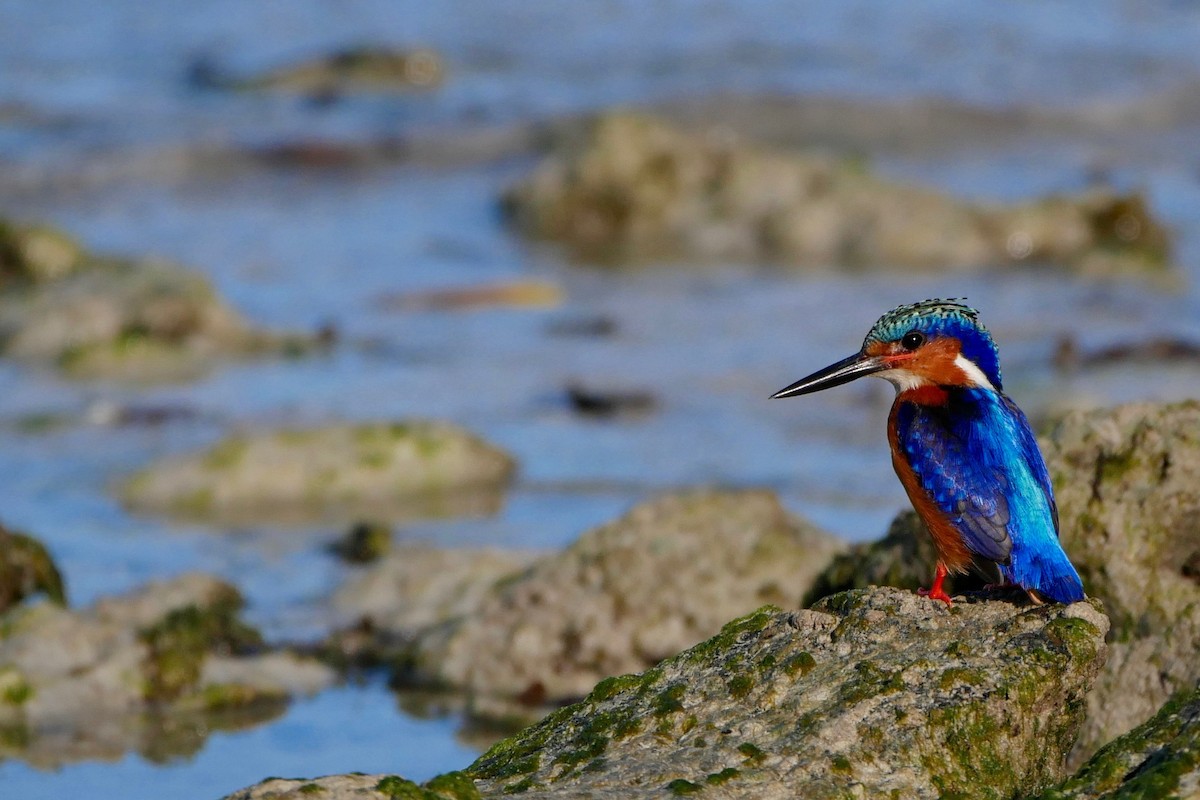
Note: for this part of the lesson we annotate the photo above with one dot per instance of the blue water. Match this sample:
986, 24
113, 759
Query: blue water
98, 125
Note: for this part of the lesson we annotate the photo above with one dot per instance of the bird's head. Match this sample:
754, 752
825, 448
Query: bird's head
933, 343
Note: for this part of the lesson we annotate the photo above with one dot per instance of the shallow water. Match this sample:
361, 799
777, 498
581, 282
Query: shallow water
297, 249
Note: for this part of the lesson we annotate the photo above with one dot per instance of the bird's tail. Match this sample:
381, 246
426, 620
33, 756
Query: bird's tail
1049, 572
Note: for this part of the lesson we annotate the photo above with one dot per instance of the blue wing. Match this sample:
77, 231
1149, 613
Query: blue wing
952, 459
978, 460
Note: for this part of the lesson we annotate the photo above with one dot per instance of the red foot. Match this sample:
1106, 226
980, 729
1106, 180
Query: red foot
937, 592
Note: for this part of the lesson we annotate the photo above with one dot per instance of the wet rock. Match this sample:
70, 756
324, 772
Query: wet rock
96, 317
1158, 759
634, 189
1128, 487
143, 671
356, 69
904, 558
364, 543
385, 470
626, 595
27, 570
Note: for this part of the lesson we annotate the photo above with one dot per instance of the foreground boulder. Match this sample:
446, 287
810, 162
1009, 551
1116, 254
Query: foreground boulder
872, 693
1159, 759
125, 673
635, 189
1127, 482
1128, 488
397, 470
96, 317
626, 595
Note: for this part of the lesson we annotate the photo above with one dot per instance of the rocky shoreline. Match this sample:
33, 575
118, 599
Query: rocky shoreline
850, 695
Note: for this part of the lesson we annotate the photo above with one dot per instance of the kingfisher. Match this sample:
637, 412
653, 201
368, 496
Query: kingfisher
962, 449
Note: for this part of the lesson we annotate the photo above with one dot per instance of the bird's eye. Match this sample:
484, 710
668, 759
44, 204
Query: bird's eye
912, 340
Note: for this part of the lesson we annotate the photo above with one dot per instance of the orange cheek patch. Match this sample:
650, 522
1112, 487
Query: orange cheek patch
935, 362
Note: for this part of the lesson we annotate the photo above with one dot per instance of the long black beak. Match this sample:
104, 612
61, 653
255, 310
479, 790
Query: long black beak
843, 371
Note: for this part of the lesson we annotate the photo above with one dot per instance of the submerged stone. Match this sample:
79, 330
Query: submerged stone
388, 470
634, 189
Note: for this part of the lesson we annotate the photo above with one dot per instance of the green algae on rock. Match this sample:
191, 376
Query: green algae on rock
389, 470
626, 595
26, 569
635, 189
1128, 487
154, 670
1158, 760
450, 786
134, 320
879, 665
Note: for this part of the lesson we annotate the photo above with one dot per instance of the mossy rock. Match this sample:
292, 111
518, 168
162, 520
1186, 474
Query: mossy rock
1128, 486
450, 786
33, 254
178, 644
1158, 760
396, 469
26, 569
94, 317
981, 700
635, 190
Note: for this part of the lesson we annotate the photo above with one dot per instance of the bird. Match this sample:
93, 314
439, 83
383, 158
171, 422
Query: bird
963, 450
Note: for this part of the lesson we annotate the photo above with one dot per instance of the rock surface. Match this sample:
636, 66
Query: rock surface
123, 674
626, 595
1128, 488
872, 693
96, 317
419, 586
1159, 760
634, 189
26, 570
387, 470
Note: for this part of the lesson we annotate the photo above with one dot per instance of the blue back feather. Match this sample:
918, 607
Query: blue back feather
977, 458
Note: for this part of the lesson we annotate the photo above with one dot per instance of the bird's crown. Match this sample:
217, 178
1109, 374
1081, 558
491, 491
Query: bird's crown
937, 319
